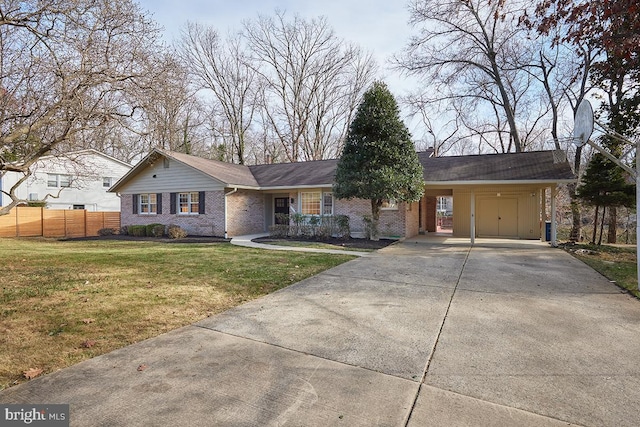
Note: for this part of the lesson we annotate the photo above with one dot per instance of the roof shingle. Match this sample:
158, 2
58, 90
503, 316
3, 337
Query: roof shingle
526, 166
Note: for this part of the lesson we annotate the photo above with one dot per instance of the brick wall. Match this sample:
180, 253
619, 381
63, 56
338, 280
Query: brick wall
209, 224
393, 222
412, 225
354, 209
246, 213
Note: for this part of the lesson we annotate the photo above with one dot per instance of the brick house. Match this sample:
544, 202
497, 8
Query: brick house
495, 195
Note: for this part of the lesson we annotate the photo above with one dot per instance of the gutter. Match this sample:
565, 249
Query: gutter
225, 209
500, 182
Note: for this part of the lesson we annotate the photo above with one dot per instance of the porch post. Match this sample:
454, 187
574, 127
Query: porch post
554, 192
472, 228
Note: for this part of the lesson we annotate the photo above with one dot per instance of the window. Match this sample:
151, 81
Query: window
107, 181
148, 204
58, 180
78, 207
188, 203
327, 204
390, 204
316, 203
310, 203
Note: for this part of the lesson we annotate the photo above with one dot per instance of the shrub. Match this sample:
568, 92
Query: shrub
137, 230
343, 230
155, 230
176, 232
282, 218
370, 227
107, 232
279, 231
298, 222
124, 230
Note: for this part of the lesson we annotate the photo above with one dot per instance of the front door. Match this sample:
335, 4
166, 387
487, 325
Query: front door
281, 206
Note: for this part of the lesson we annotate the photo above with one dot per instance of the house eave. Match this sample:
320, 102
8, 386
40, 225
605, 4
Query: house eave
294, 187
499, 182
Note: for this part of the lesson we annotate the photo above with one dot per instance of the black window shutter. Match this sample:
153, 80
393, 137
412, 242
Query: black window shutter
201, 203
172, 200
159, 202
134, 201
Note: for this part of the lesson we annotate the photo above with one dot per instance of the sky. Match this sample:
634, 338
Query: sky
378, 26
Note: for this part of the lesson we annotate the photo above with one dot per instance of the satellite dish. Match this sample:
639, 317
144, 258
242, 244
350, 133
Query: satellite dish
583, 123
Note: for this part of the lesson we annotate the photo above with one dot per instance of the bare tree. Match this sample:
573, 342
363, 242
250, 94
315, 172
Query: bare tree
223, 68
172, 115
473, 51
312, 82
64, 67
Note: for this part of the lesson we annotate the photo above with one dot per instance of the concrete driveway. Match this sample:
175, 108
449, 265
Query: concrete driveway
425, 332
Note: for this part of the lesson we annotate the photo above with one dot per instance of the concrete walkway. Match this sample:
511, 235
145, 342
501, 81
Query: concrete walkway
247, 241
424, 332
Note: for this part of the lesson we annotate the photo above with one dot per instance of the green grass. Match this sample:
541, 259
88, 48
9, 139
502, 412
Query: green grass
55, 296
617, 263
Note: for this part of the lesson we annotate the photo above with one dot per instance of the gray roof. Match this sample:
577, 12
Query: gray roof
300, 174
536, 166
548, 166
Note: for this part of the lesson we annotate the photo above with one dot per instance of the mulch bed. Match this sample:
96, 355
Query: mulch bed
345, 243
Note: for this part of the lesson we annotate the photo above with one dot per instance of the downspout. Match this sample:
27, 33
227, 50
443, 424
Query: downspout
225, 210
472, 226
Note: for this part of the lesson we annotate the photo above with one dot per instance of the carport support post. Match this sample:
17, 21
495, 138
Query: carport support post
472, 228
554, 193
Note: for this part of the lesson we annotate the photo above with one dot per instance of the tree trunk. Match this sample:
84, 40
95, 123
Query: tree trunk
576, 216
595, 226
612, 235
604, 211
375, 218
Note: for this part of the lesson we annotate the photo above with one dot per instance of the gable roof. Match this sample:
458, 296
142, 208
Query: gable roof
531, 166
228, 173
511, 168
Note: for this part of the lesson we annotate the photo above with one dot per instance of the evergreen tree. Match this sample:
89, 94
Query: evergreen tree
605, 185
379, 161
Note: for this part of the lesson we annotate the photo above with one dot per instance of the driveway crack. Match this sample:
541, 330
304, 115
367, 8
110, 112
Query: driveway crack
435, 343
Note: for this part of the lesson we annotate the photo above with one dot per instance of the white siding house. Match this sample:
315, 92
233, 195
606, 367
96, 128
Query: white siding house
78, 180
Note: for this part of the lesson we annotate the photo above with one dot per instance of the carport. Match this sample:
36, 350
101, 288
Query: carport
497, 195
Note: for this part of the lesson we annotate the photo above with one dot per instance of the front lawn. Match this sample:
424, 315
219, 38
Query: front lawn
617, 263
63, 302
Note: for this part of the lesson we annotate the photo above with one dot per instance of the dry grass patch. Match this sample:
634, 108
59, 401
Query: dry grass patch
617, 263
63, 302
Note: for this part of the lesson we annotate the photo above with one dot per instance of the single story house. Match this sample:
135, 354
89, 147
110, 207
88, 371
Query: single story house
494, 195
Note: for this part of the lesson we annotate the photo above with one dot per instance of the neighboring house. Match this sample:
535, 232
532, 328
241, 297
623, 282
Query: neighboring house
499, 195
77, 180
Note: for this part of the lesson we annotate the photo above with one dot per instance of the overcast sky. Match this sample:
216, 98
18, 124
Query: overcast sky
379, 26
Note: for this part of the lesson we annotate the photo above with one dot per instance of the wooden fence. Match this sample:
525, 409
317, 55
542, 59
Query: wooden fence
34, 222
